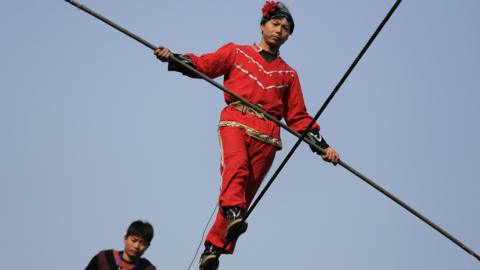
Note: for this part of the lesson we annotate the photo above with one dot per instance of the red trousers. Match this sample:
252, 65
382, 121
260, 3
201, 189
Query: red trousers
245, 162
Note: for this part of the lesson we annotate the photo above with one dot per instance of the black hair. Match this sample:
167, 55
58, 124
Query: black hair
141, 229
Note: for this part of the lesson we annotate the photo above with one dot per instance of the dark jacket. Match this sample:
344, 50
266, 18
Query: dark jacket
105, 260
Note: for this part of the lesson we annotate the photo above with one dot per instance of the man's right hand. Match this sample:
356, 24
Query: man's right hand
162, 53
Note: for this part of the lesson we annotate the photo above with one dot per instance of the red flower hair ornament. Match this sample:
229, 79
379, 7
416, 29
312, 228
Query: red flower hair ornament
270, 8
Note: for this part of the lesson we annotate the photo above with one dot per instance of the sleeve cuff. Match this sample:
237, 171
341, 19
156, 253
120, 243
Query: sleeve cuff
186, 60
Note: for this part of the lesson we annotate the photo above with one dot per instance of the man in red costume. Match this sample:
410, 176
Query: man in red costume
247, 139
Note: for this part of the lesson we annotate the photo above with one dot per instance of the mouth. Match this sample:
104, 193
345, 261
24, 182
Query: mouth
276, 39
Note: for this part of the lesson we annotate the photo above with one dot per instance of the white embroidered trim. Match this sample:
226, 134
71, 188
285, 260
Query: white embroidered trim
258, 82
261, 67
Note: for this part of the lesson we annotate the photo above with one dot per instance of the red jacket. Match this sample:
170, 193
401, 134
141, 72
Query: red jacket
274, 85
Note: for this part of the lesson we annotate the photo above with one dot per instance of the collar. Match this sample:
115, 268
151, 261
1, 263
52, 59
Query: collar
257, 48
119, 260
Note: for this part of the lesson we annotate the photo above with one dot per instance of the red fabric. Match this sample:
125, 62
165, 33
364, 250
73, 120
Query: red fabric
245, 162
122, 264
274, 86
245, 72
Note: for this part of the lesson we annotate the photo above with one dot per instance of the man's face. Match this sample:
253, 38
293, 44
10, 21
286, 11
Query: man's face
135, 246
276, 31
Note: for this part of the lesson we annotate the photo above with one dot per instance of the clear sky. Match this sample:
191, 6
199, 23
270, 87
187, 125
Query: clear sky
95, 133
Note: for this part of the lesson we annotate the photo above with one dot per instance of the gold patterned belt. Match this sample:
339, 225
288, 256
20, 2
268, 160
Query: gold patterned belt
253, 133
245, 109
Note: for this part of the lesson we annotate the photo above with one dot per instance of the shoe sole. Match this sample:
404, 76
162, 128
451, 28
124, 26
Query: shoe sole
209, 262
235, 229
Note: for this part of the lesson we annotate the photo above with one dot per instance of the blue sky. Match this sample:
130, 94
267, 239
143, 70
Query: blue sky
95, 133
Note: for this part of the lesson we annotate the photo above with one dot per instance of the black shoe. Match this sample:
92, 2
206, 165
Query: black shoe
235, 226
209, 259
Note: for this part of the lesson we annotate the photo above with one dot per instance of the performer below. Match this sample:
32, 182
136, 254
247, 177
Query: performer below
137, 240
247, 139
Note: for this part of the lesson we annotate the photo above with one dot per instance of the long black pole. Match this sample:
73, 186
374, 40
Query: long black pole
196, 72
278, 122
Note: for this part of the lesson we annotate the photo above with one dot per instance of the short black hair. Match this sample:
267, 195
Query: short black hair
141, 229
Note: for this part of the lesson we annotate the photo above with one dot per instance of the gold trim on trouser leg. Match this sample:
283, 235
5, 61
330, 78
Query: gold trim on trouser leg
253, 133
